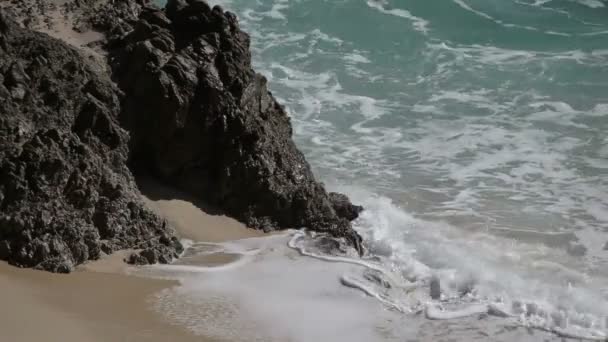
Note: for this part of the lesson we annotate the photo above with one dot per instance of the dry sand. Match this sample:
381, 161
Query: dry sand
189, 215
99, 302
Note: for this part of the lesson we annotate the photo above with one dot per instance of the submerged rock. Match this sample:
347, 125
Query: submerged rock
66, 194
202, 119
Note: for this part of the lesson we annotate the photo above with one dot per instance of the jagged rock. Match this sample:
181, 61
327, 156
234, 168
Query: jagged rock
199, 117
202, 119
66, 194
343, 206
113, 17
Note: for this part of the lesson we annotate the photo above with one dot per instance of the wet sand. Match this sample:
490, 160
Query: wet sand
99, 302
82, 306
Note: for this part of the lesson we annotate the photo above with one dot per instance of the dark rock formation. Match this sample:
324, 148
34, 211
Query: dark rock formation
115, 18
343, 206
66, 194
198, 117
202, 119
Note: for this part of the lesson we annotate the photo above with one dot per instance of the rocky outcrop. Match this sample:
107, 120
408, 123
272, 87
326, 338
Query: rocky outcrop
201, 118
343, 207
115, 18
183, 103
66, 193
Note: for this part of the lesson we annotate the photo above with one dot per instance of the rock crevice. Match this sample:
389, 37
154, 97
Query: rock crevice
201, 118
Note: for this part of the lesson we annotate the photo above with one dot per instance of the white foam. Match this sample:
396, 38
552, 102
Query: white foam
435, 312
275, 297
595, 33
419, 24
599, 210
320, 35
466, 6
323, 91
391, 224
476, 96
591, 3
501, 56
276, 12
356, 58
462, 4
271, 294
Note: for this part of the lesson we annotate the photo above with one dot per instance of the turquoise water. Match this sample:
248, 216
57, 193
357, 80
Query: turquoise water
474, 131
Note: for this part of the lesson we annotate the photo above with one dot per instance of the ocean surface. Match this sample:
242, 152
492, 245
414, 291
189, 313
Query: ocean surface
474, 132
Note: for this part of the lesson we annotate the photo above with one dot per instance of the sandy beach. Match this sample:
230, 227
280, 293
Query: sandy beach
99, 302
83, 306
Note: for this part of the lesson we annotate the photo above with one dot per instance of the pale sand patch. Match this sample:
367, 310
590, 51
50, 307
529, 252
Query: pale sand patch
60, 25
189, 216
62, 28
55, 22
109, 264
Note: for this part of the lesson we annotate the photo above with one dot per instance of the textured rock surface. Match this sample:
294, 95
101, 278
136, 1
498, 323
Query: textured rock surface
198, 117
202, 119
343, 206
113, 17
66, 194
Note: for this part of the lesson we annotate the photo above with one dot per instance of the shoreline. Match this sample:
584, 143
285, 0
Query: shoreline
100, 301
